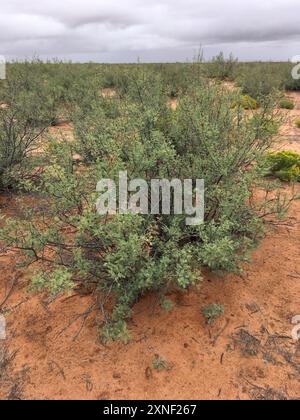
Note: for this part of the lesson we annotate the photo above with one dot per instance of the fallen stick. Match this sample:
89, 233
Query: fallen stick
220, 333
15, 279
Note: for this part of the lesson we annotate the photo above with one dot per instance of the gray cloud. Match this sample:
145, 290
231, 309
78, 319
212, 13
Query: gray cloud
164, 30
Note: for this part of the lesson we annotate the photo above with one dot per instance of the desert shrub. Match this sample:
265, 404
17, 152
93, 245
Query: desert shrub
247, 103
260, 79
167, 305
177, 77
159, 363
102, 125
26, 112
116, 77
122, 257
285, 165
97, 126
286, 104
212, 312
221, 68
298, 122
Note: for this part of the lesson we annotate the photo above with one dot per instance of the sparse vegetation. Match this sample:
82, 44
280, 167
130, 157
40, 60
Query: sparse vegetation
159, 363
212, 312
122, 258
259, 80
285, 165
118, 277
21, 126
222, 68
248, 103
286, 104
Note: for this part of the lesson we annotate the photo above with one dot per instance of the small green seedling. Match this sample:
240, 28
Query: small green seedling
213, 312
167, 305
159, 363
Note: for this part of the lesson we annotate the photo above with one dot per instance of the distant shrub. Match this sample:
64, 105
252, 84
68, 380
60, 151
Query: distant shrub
259, 80
285, 165
221, 68
177, 77
213, 312
26, 112
286, 104
116, 77
159, 363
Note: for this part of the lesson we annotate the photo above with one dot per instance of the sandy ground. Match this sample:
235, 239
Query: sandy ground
290, 133
248, 354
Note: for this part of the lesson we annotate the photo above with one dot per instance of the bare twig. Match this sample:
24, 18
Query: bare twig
214, 341
13, 283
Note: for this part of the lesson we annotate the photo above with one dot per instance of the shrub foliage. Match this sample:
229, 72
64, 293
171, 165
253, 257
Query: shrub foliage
122, 257
287, 104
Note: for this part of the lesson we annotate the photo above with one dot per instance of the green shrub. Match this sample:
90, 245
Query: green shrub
285, 165
286, 104
221, 68
298, 122
58, 282
123, 257
259, 80
177, 77
26, 113
213, 312
247, 103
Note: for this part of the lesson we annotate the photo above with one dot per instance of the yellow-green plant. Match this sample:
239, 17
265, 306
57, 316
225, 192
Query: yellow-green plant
285, 165
286, 104
212, 312
248, 103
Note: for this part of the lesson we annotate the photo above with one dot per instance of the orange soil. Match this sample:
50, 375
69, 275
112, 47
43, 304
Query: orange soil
247, 354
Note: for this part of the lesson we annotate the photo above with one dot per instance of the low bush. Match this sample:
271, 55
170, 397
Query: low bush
221, 68
286, 104
26, 112
124, 256
212, 312
248, 103
285, 165
298, 122
258, 80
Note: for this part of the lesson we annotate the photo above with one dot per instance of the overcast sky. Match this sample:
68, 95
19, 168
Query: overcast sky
152, 30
